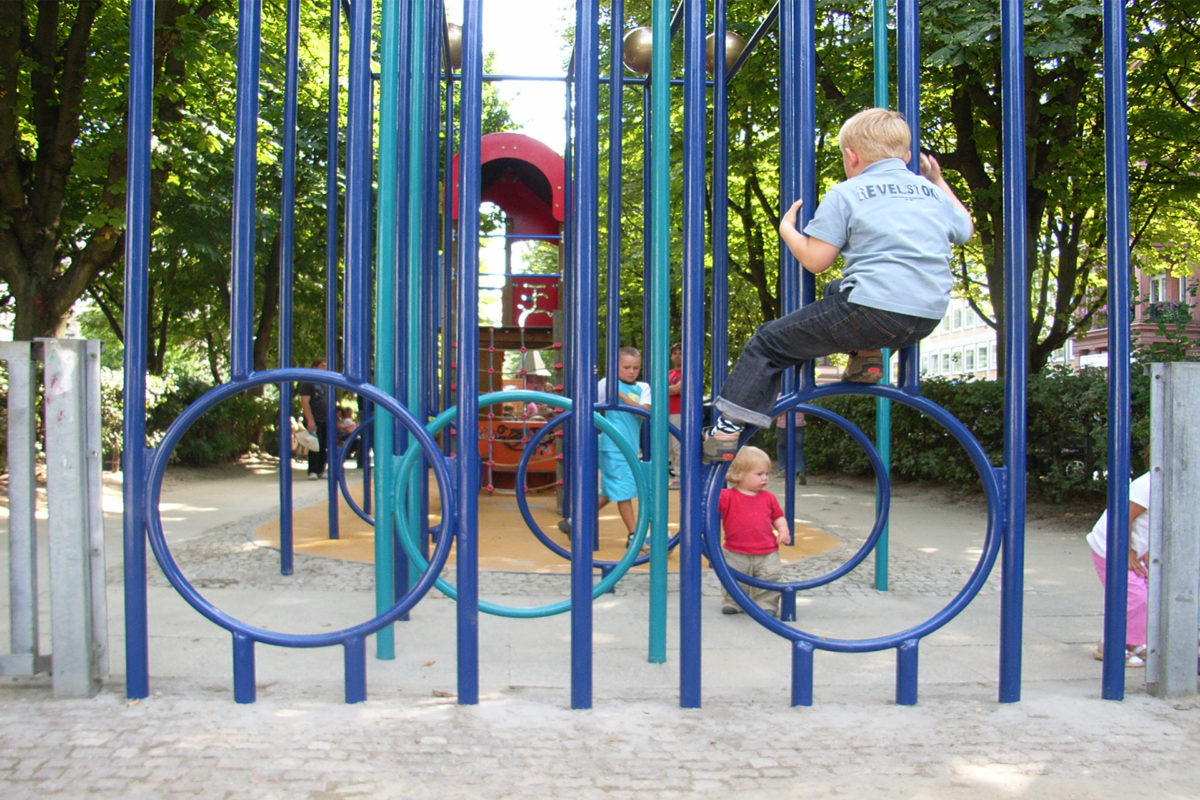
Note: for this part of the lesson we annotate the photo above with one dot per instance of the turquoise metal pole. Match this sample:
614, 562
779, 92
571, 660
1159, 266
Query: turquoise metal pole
883, 406
385, 315
660, 272
415, 285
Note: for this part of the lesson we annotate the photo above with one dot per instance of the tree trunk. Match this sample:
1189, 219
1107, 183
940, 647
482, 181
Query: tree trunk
269, 312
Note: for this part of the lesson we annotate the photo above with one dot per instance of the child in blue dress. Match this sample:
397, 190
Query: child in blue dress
617, 484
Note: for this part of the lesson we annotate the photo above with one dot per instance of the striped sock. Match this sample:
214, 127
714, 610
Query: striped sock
724, 425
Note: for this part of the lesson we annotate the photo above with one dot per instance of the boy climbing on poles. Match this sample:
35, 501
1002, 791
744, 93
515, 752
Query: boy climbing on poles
893, 230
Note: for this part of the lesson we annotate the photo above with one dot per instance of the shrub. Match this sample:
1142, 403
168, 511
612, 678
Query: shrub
221, 434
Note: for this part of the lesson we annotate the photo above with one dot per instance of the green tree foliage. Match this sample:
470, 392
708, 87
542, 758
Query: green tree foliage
1066, 248
62, 157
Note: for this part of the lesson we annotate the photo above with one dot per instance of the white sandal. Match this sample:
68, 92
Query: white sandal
1134, 656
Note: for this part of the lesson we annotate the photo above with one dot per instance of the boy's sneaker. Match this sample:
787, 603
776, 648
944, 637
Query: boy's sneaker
564, 525
645, 543
719, 445
864, 368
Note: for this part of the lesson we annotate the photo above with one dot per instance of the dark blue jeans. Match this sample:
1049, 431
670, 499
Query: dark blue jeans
830, 325
316, 458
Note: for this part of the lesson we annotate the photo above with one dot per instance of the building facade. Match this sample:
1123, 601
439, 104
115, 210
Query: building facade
963, 345
1160, 299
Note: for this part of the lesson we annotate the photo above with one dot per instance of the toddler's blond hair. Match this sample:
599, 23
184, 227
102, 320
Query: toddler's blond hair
746, 459
875, 134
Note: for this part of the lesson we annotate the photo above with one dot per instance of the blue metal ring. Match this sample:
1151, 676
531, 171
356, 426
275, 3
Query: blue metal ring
523, 504
408, 541
162, 552
343, 485
974, 583
885, 497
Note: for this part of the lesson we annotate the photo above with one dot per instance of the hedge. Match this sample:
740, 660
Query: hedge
1067, 443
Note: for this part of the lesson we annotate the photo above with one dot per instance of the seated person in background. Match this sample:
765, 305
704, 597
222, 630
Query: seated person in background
346, 423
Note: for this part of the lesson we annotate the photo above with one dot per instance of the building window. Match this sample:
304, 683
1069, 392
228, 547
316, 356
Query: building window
983, 356
969, 355
1158, 288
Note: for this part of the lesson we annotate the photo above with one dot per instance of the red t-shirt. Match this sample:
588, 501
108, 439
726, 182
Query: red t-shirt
674, 401
748, 521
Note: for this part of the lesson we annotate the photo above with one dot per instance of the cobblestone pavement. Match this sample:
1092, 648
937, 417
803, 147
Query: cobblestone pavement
412, 739
189, 740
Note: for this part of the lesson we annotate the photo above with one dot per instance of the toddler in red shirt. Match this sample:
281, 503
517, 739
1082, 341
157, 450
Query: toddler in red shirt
754, 526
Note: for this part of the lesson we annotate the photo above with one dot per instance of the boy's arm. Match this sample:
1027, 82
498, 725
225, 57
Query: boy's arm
634, 400
932, 171
813, 254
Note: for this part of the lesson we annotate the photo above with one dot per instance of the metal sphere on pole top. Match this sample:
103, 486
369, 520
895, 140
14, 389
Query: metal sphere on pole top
637, 49
734, 45
454, 51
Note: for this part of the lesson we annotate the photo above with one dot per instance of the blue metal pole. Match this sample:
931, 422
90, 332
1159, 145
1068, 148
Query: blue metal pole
447, 267
356, 269
694, 143
720, 191
331, 227
137, 260
468, 354
908, 64
612, 293
616, 96
794, 36
359, 175
331, 179
287, 228
431, 276
1116, 182
806, 127
570, 282
1016, 358
581, 305
245, 165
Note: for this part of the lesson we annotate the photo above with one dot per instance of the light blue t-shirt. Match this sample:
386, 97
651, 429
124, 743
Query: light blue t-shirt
629, 424
894, 229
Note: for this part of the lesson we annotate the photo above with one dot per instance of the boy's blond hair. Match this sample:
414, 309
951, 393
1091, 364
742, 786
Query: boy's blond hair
876, 134
746, 459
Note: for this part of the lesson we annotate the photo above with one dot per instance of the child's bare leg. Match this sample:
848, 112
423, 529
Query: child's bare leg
625, 507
